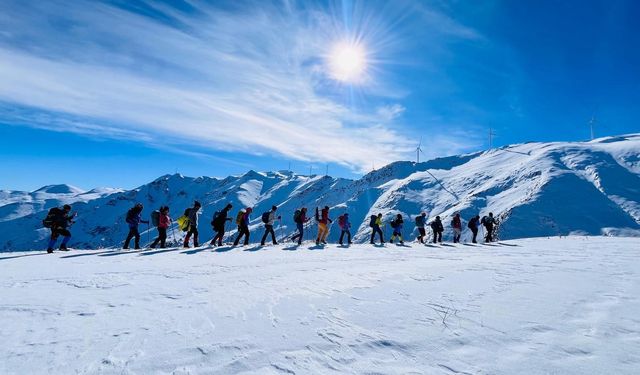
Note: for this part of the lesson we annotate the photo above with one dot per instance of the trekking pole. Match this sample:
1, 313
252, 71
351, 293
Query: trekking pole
281, 231
148, 230
173, 233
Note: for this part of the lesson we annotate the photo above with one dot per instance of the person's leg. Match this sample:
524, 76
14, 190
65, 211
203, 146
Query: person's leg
52, 240
325, 234
264, 236
341, 237
187, 238
373, 235
380, 234
163, 237
475, 235
128, 240
137, 239
65, 240
273, 235
246, 235
195, 237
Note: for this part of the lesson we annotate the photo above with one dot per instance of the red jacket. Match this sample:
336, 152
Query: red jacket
324, 218
164, 221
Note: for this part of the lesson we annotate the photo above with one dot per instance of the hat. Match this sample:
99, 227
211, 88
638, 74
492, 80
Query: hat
196, 204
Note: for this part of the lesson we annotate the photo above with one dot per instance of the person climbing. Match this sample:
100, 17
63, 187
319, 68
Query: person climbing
488, 222
134, 218
345, 227
420, 223
473, 225
375, 223
269, 218
456, 224
220, 218
397, 224
163, 223
437, 228
243, 218
300, 218
58, 220
323, 228
192, 215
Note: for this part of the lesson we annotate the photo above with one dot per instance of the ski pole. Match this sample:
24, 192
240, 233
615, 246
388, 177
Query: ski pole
148, 230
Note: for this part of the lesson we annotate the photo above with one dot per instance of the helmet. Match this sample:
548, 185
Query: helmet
66, 207
196, 204
138, 205
273, 208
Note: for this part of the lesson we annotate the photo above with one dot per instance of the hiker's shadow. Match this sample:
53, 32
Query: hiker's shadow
255, 248
507, 244
164, 251
431, 245
316, 247
291, 248
223, 249
446, 244
194, 251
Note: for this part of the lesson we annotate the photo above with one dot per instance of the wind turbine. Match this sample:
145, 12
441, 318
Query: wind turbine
592, 122
418, 151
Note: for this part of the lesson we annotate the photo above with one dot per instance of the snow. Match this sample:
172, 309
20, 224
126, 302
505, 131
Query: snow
537, 306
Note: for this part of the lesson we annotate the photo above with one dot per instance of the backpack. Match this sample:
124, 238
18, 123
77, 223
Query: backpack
265, 217
239, 217
215, 216
183, 223
155, 218
52, 215
296, 216
484, 220
317, 214
131, 214
372, 221
341, 221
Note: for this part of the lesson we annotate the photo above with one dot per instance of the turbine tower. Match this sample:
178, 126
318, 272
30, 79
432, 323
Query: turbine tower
418, 151
592, 122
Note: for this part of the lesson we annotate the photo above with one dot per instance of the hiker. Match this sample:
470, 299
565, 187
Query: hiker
323, 222
437, 228
220, 218
420, 223
300, 218
269, 218
192, 215
375, 222
243, 218
456, 224
59, 220
345, 227
163, 223
397, 224
488, 222
134, 218
473, 224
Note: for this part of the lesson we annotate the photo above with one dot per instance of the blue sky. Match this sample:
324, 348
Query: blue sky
116, 93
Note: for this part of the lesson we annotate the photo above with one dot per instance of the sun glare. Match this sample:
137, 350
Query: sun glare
347, 62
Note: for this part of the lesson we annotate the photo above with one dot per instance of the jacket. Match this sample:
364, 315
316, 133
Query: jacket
164, 221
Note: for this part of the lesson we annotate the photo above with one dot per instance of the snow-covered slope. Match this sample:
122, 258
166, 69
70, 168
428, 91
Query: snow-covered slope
535, 306
535, 189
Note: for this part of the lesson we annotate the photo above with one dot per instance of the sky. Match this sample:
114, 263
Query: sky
116, 93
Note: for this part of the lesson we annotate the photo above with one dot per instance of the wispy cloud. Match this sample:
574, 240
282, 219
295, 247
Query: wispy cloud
249, 81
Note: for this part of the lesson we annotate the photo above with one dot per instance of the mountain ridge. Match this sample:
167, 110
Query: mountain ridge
536, 189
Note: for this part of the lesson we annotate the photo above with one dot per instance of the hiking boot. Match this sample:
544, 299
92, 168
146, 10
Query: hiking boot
63, 248
49, 250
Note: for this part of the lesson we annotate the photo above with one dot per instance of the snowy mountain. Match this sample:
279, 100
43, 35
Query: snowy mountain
535, 189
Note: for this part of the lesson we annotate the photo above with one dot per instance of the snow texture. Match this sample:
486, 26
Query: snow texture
534, 189
531, 306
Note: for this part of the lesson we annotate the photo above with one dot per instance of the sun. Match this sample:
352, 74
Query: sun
347, 62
